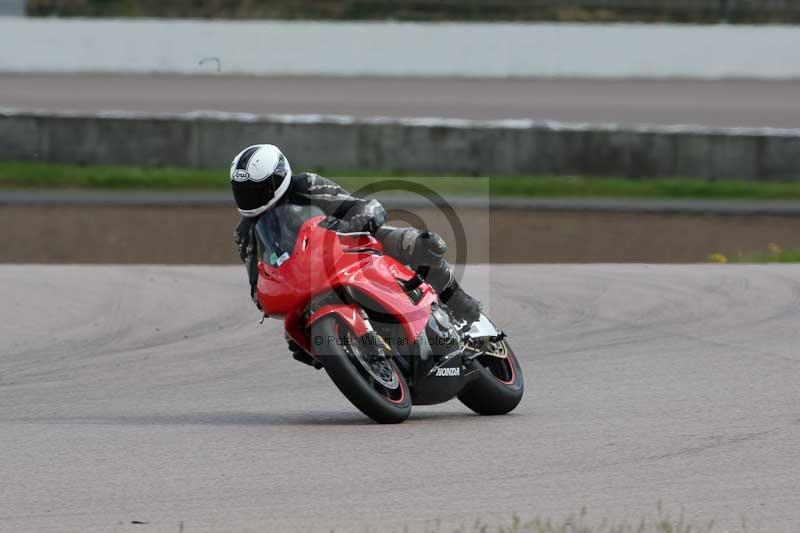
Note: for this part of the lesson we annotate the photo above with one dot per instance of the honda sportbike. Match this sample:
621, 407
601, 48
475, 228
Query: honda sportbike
377, 328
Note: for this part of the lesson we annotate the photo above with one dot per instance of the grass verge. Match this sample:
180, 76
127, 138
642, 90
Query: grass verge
775, 253
18, 175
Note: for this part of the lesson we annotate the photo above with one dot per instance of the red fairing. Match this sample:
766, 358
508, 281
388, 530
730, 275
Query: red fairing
349, 313
323, 261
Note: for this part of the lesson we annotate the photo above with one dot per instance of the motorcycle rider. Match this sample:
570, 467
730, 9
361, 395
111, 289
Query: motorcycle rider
261, 178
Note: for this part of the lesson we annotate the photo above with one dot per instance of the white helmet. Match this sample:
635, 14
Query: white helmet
260, 176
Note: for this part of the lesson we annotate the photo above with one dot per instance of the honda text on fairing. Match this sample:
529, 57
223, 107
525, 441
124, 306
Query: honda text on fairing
378, 328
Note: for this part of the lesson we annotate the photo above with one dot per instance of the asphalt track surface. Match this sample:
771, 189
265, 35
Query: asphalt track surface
150, 394
728, 103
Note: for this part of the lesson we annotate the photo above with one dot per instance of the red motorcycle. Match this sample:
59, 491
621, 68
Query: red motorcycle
375, 326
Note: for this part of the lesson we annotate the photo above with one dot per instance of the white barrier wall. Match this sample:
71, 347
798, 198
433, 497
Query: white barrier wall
400, 49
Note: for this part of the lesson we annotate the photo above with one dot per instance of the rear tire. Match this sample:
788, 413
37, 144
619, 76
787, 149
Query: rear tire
342, 361
499, 388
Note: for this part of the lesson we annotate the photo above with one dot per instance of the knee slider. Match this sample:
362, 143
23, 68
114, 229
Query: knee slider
429, 249
433, 243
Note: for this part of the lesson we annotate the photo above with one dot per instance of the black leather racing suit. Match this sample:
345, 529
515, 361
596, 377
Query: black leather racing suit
408, 245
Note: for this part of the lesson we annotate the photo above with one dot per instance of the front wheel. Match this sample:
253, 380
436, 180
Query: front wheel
361, 372
499, 388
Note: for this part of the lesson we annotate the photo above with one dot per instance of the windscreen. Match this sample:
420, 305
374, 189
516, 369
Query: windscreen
277, 230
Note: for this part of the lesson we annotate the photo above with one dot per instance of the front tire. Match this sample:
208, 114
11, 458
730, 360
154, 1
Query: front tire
500, 386
371, 382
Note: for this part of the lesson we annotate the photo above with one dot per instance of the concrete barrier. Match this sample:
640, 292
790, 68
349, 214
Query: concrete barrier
400, 49
210, 140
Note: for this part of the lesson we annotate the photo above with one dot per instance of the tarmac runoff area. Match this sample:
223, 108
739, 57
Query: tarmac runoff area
150, 394
724, 103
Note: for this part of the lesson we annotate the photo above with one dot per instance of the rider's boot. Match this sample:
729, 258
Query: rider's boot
460, 303
463, 306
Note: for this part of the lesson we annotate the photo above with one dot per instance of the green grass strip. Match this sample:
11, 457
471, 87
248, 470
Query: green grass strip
18, 175
775, 254
787, 256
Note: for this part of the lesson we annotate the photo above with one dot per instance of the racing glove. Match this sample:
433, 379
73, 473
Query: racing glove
369, 218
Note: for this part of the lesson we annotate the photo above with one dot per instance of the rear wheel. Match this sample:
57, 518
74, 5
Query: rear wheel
362, 372
500, 386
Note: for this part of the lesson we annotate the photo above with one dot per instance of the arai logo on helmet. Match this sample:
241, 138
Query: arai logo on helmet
448, 372
241, 174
